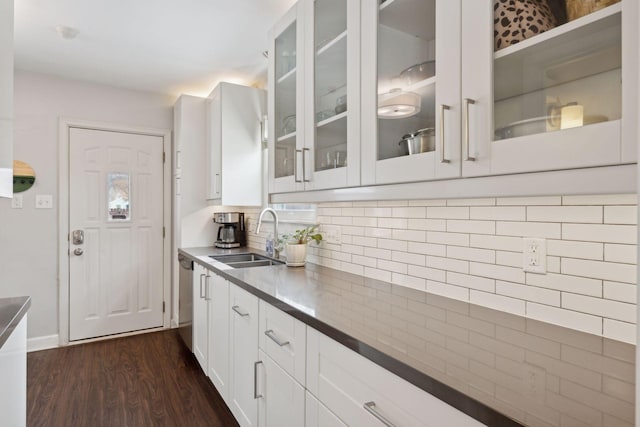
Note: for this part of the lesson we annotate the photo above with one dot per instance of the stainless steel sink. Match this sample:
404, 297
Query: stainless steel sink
245, 260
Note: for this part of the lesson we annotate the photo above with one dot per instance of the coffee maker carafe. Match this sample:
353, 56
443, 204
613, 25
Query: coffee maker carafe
231, 233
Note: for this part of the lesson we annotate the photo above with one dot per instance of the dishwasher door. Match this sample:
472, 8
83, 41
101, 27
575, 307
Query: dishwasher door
185, 301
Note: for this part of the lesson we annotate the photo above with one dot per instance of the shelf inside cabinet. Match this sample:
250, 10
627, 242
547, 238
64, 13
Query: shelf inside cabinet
287, 77
331, 66
584, 47
286, 137
410, 16
332, 119
332, 131
330, 44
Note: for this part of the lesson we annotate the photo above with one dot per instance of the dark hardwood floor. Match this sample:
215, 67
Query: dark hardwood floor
143, 380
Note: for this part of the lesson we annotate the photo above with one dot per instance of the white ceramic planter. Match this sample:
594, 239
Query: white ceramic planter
296, 254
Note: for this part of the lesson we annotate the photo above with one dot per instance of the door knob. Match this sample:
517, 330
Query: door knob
78, 251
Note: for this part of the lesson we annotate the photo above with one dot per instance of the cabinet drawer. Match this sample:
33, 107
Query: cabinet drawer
361, 392
318, 415
283, 338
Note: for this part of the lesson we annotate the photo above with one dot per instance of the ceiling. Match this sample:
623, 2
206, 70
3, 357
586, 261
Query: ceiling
165, 46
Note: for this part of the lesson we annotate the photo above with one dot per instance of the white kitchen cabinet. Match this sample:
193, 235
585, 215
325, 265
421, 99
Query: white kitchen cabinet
314, 93
13, 377
235, 116
201, 316
281, 400
553, 101
318, 415
284, 339
410, 81
6, 98
219, 311
243, 356
360, 392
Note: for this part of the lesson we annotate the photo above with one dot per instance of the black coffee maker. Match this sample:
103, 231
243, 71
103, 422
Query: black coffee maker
231, 233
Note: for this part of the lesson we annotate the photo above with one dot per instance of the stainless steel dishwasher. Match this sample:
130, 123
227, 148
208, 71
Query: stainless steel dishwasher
185, 304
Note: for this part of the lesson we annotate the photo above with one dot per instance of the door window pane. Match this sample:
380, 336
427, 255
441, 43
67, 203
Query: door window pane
118, 190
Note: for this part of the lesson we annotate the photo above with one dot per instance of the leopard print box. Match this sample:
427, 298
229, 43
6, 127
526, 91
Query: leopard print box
517, 20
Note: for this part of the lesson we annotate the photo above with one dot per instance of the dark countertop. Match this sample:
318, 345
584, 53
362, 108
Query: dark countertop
494, 366
12, 310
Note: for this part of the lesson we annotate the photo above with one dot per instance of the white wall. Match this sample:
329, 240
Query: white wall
28, 237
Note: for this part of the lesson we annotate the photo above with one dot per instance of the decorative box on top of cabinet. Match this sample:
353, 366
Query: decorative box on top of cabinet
234, 120
314, 97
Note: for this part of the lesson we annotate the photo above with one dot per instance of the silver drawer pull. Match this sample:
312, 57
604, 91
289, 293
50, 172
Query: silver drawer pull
275, 339
370, 407
255, 380
443, 108
236, 308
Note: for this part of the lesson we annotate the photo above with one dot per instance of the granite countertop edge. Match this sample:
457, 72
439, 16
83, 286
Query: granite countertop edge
438, 389
12, 310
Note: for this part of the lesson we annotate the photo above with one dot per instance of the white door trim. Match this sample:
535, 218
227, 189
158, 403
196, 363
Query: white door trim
63, 214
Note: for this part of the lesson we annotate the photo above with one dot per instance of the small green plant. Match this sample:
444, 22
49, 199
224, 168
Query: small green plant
304, 236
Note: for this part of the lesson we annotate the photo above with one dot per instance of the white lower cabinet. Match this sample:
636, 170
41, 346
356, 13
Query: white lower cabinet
219, 334
280, 396
243, 355
13, 377
200, 316
362, 393
318, 415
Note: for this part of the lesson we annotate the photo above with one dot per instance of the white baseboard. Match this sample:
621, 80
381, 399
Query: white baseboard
43, 343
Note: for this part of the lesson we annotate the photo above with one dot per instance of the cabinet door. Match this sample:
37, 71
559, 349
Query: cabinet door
286, 102
6, 100
219, 335
318, 415
200, 316
281, 398
332, 123
243, 345
552, 101
410, 86
214, 145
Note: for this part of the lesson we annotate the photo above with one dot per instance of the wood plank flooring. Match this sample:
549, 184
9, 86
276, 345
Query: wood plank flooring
143, 380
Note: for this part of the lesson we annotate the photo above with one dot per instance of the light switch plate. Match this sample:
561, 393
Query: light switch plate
44, 201
16, 201
534, 255
331, 234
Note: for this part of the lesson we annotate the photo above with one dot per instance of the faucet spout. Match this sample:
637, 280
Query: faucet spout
275, 225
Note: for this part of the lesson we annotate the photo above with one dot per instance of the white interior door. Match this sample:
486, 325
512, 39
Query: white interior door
116, 236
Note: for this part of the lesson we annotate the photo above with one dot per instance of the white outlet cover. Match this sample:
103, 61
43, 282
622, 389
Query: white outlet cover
44, 201
534, 255
331, 234
16, 201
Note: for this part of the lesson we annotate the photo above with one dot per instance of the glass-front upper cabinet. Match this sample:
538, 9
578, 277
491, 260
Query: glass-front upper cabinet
545, 86
410, 90
286, 103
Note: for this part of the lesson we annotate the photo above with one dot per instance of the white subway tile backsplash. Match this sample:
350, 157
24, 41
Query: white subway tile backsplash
624, 292
627, 254
498, 302
471, 250
501, 213
605, 199
469, 226
570, 319
588, 214
571, 249
528, 293
621, 215
469, 254
600, 233
600, 270
600, 307
459, 212
546, 230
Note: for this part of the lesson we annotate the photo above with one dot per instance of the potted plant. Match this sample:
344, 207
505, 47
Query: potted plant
296, 244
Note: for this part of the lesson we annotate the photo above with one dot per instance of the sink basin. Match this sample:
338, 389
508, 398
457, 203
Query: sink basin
245, 260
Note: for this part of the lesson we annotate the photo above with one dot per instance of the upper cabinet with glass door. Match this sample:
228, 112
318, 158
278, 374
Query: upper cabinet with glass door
546, 87
286, 103
410, 90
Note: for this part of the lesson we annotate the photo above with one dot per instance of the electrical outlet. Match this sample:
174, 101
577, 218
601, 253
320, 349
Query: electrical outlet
44, 201
331, 234
16, 201
534, 255
535, 382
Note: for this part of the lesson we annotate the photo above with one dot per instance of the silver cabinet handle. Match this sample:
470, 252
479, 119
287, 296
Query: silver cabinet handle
304, 163
295, 166
275, 339
202, 293
255, 380
206, 287
78, 251
467, 102
217, 185
236, 308
443, 108
370, 407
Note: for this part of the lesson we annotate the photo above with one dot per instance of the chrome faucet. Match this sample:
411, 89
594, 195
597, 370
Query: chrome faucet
276, 252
